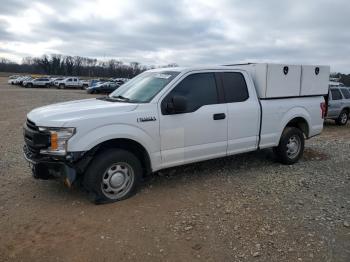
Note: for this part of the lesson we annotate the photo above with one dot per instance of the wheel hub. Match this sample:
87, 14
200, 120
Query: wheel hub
293, 147
344, 118
117, 179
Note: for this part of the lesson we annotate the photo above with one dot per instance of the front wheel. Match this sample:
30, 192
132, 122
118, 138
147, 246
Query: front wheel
291, 146
112, 176
343, 118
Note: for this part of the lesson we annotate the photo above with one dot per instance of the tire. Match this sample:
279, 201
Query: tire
61, 86
113, 175
47, 85
291, 146
342, 118
29, 85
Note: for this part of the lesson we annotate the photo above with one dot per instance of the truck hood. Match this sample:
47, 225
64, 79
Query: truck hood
64, 114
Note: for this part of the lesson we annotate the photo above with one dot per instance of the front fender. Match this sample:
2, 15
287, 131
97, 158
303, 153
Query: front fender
101, 134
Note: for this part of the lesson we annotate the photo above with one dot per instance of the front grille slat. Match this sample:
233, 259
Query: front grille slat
35, 139
31, 125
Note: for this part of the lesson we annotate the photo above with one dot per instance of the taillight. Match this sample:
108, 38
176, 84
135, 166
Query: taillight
323, 109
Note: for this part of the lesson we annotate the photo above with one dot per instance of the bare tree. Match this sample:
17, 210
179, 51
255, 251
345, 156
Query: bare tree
57, 64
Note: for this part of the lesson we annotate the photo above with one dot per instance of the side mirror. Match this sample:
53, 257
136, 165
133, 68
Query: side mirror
177, 104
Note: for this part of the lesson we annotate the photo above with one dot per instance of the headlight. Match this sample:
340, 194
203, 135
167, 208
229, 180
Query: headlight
58, 139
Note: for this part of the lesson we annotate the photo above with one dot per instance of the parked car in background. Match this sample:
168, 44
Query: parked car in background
71, 82
55, 79
119, 81
38, 82
25, 80
94, 82
102, 87
19, 80
15, 80
339, 105
12, 79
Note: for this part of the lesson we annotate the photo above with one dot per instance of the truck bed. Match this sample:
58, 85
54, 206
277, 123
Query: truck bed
276, 113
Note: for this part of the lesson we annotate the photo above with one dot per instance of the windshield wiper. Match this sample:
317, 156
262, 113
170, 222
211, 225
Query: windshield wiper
122, 98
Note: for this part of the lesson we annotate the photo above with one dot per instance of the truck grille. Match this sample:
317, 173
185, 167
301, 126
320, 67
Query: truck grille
32, 125
35, 139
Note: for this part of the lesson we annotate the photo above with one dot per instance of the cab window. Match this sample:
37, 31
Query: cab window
199, 89
235, 87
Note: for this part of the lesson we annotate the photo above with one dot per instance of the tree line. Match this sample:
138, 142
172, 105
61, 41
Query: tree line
57, 64
343, 78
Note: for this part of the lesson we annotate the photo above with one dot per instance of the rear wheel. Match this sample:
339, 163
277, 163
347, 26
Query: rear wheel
342, 118
30, 85
112, 176
291, 146
61, 86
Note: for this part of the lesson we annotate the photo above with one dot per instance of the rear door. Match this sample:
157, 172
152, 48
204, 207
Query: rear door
45, 81
335, 103
200, 132
75, 82
40, 82
243, 113
346, 95
69, 82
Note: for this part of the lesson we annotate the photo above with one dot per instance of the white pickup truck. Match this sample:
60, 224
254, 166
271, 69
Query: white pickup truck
71, 82
174, 116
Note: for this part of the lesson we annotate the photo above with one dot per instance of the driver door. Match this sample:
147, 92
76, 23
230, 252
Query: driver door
200, 131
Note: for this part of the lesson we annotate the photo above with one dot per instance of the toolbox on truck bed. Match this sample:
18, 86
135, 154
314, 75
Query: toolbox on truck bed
284, 80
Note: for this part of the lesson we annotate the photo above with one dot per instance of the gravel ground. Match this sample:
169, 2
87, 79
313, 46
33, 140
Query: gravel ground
241, 208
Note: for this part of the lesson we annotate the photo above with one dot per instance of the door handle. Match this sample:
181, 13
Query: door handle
219, 116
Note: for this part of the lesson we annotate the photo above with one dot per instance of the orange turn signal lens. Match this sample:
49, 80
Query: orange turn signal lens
54, 144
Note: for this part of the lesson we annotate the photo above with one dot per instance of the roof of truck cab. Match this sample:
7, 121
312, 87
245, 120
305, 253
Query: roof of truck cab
192, 68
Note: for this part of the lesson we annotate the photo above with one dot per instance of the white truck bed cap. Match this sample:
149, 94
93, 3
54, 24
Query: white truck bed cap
285, 80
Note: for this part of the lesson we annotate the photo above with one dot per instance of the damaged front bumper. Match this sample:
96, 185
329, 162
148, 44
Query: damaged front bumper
51, 167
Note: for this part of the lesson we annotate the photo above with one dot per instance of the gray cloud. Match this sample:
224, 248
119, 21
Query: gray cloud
191, 32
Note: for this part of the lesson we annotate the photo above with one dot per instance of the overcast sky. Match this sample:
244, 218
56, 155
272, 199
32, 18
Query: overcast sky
187, 32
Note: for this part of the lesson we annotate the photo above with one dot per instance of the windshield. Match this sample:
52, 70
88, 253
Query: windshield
142, 88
